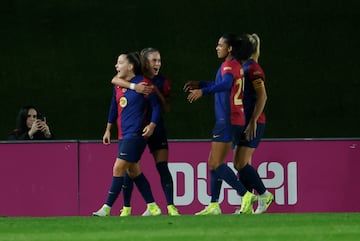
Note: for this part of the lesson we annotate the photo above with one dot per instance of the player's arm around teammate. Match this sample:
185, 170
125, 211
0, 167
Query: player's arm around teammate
141, 87
127, 109
157, 143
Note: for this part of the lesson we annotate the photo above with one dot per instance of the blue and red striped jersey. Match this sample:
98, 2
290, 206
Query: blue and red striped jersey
228, 92
254, 77
130, 108
163, 84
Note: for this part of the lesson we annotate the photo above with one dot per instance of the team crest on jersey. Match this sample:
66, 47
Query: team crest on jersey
123, 102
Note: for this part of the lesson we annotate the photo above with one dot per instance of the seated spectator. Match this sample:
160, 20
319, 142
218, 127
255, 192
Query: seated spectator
30, 125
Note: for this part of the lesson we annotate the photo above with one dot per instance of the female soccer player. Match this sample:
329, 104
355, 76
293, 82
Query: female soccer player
127, 109
227, 89
158, 142
254, 99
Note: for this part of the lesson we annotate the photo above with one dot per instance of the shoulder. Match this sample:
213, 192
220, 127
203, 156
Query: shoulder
230, 65
139, 78
256, 66
253, 69
17, 134
232, 62
160, 78
251, 65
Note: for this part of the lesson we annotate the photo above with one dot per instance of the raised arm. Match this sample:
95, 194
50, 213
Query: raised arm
141, 87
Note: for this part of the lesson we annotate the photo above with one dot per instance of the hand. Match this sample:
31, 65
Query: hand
191, 85
114, 79
35, 127
250, 131
107, 137
44, 128
148, 130
194, 95
143, 88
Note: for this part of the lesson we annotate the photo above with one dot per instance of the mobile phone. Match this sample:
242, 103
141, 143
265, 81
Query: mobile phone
40, 117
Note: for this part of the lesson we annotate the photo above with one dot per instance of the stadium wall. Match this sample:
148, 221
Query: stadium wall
60, 56
71, 178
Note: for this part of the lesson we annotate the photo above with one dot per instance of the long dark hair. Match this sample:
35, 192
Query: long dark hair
22, 116
136, 60
241, 45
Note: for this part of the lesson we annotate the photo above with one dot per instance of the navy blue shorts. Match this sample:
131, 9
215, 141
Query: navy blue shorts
158, 141
221, 133
238, 136
131, 150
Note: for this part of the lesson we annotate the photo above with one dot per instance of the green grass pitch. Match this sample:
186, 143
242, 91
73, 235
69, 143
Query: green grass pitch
279, 227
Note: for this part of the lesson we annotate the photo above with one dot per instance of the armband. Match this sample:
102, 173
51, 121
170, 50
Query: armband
132, 86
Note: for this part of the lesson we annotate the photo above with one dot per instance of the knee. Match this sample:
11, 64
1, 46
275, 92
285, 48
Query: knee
133, 173
213, 165
239, 165
118, 171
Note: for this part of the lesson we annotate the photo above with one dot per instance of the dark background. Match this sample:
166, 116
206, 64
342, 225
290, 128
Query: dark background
60, 56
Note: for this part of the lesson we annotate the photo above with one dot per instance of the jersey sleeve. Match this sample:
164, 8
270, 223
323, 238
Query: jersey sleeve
154, 102
113, 109
257, 76
204, 83
256, 72
226, 82
166, 88
224, 85
155, 107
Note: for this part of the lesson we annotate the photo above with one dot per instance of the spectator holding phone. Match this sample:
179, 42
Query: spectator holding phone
30, 125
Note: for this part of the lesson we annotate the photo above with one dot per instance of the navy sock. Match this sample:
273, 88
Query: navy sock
166, 181
144, 188
128, 187
252, 176
215, 186
246, 183
114, 191
224, 172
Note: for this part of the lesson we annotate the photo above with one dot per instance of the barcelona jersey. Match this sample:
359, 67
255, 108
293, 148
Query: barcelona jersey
163, 84
254, 78
228, 91
129, 108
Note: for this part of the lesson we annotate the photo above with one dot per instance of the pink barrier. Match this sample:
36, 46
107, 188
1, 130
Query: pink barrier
38, 179
95, 178
319, 176
300, 174
64, 179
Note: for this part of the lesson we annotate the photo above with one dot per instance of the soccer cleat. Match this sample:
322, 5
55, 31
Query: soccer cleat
246, 203
152, 210
212, 209
125, 212
172, 210
237, 211
103, 211
264, 202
